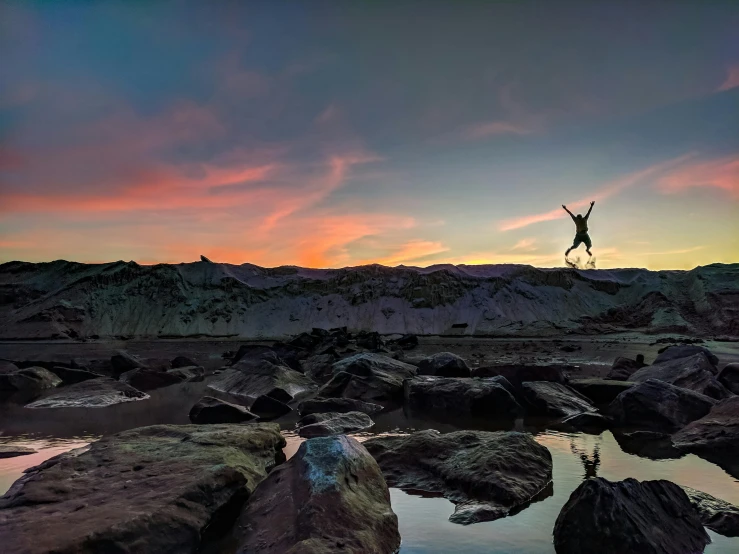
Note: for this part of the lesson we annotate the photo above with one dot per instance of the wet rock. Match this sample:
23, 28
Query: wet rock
587, 422
188, 373
555, 399
338, 405
123, 361
322, 425
70, 376
694, 373
182, 361
475, 397
368, 377
623, 368
714, 436
716, 514
647, 444
319, 367
10, 451
648, 517
148, 379
93, 393
444, 364
267, 407
252, 381
329, 498
488, 475
30, 379
729, 377
516, 374
152, 489
658, 406
685, 351
600, 391
213, 410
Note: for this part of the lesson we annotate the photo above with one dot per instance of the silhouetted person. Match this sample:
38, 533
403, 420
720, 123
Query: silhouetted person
581, 234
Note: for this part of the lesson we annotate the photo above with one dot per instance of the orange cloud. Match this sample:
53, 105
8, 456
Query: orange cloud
722, 173
732, 79
410, 253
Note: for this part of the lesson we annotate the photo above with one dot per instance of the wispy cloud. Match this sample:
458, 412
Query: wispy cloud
492, 128
527, 245
722, 173
732, 79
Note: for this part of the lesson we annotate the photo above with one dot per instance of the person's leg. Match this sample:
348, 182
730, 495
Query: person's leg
575, 244
588, 244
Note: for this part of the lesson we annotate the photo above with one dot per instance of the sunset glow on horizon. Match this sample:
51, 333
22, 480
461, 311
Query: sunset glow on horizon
328, 134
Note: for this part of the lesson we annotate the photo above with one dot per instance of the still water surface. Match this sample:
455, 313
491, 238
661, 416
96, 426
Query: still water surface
424, 524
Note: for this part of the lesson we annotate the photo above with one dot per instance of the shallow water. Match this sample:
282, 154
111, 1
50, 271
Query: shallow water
423, 521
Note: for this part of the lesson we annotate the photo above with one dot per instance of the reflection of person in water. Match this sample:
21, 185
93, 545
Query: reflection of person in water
581, 230
591, 465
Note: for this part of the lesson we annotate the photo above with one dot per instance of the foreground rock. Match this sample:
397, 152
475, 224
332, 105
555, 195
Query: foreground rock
338, 405
685, 351
716, 514
658, 406
213, 410
93, 393
254, 380
623, 368
648, 517
715, 436
9, 451
323, 425
473, 397
30, 379
369, 377
729, 377
488, 475
329, 497
600, 391
168, 484
444, 364
516, 374
555, 399
694, 373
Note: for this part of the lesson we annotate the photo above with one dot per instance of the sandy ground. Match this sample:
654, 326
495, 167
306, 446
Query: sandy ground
591, 356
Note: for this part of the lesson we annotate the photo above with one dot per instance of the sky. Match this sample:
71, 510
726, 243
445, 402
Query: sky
332, 134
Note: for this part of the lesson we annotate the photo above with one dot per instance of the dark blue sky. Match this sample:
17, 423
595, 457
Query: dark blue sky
336, 133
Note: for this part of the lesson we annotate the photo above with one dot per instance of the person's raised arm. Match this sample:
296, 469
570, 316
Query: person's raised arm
568, 211
587, 215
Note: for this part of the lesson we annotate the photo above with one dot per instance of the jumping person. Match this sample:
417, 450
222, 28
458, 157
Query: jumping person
581, 234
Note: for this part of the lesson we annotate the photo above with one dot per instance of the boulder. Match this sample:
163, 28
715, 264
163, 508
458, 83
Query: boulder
30, 379
267, 407
305, 341
587, 422
338, 405
516, 374
319, 367
123, 361
648, 517
729, 377
552, 399
658, 406
488, 475
182, 361
623, 368
457, 396
70, 376
371, 340
328, 498
323, 425
406, 342
10, 451
368, 377
444, 364
279, 353
151, 489
213, 410
647, 444
600, 391
252, 381
694, 373
685, 351
716, 514
8, 367
188, 373
93, 393
149, 379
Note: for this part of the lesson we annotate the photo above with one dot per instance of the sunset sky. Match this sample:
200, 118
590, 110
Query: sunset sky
330, 134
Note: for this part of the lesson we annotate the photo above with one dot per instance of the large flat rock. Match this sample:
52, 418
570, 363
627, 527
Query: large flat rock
151, 489
369, 377
462, 396
552, 399
488, 475
329, 498
648, 517
323, 425
695, 373
93, 393
254, 380
716, 514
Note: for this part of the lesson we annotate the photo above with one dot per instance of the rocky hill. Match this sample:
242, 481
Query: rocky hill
66, 299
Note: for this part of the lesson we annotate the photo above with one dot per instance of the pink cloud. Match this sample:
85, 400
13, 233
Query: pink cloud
409, 253
722, 174
732, 79
492, 128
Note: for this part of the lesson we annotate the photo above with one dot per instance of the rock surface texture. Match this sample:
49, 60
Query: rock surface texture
30, 379
93, 393
151, 489
716, 514
695, 373
444, 364
555, 399
213, 410
323, 425
330, 497
493, 396
648, 517
368, 377
254, 380
488, 475
338, 405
